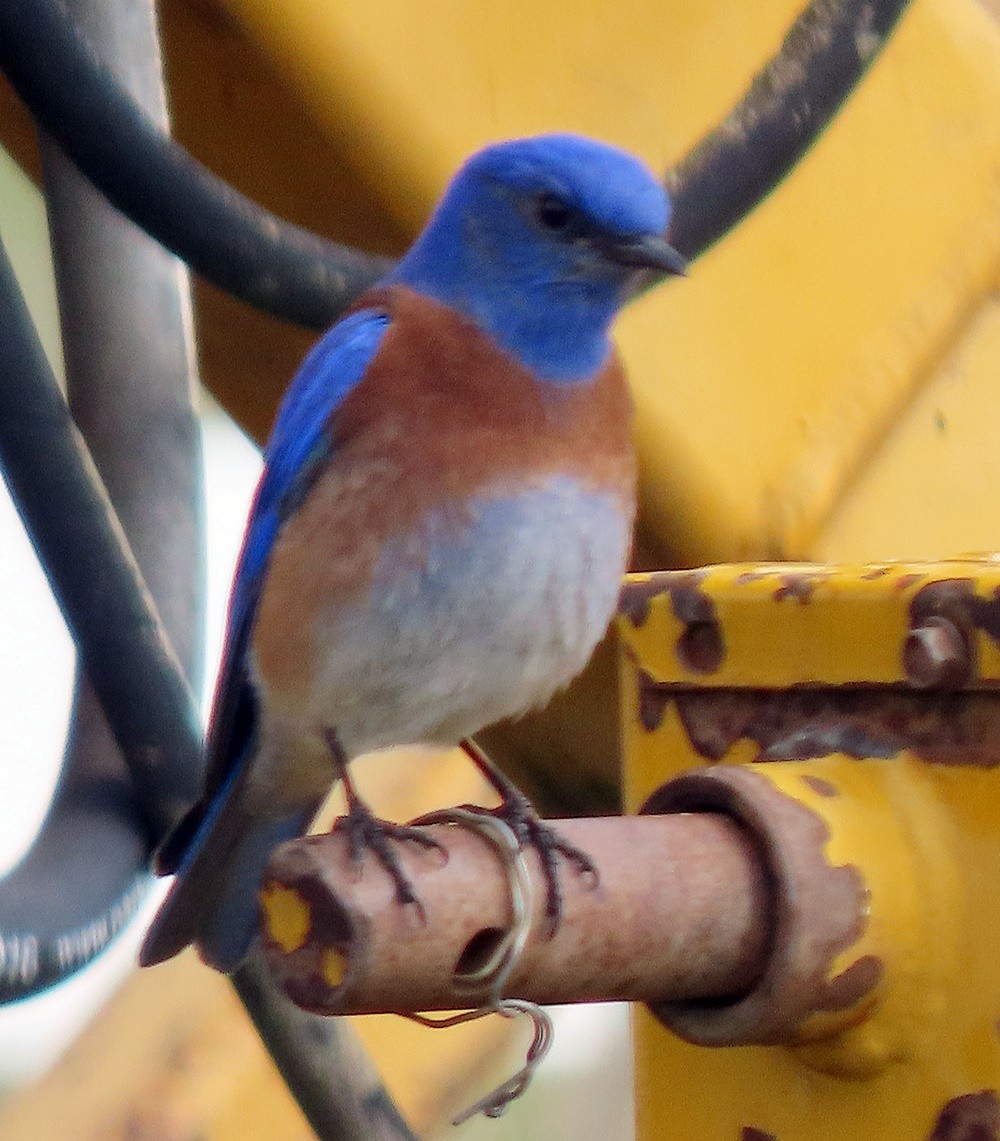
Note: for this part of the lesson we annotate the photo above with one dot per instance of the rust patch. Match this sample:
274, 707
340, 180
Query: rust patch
905, 581
749, 1133
937, 654
687, 600
701, 648
820, 786
786, 725
853, 983
800, 585
712, 728
653, 702
746, 577
943, 727
955, 600
970, 1117
635, 597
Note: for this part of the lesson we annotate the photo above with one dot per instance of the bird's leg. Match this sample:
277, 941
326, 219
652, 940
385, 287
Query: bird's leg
518, 813
366, 830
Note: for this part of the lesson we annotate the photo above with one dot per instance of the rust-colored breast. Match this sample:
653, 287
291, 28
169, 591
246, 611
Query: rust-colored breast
441, 416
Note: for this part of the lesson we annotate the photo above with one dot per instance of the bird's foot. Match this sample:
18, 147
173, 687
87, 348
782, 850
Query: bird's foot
519, 814
365, 830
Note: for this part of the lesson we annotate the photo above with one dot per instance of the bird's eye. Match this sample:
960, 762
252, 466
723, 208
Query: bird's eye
553, 213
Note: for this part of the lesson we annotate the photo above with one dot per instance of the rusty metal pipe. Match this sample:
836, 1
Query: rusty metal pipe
682, 911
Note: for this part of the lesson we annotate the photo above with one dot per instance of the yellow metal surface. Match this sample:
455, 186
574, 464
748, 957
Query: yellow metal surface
410, 89
334, 967
922, 835
286, 916
933, 484
766, 380
883, 817
829, 625
764, 387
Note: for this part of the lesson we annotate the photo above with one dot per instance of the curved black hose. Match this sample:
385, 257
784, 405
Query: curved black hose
93, 574
139, 682
824, 55
221, 234
300, 277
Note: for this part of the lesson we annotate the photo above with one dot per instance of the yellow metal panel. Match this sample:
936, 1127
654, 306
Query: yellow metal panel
411, 88
764, 379
933, 486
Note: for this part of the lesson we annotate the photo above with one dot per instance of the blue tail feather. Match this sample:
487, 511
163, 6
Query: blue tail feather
229, 925
213, 899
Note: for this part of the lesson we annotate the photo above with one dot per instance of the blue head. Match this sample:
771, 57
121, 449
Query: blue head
541, 241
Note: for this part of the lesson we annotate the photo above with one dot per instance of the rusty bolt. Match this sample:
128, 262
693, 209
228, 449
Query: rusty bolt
936, 654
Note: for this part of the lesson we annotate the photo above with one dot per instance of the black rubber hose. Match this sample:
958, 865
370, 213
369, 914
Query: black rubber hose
221, 234
129, 358
114, 623
93, 573
305, 279
785, 109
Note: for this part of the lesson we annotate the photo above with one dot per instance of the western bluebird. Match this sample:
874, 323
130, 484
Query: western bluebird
443, 520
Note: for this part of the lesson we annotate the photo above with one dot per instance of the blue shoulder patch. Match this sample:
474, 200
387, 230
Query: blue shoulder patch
299, 444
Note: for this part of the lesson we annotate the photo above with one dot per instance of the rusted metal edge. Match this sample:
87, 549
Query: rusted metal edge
817, 912
941, 727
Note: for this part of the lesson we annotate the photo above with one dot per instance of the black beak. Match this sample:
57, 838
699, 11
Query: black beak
649, 252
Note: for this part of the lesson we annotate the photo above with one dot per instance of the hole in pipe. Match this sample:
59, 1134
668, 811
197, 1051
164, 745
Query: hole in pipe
478, 951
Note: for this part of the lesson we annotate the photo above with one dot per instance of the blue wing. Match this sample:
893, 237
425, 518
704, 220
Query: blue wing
296, 453
300, 444
216, 850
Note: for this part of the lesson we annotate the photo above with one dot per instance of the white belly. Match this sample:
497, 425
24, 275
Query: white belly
464, 626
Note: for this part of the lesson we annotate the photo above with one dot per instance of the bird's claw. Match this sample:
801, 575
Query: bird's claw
365, 830
518, 813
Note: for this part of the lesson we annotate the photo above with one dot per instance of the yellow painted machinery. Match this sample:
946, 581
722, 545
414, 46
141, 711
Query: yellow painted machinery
825, 386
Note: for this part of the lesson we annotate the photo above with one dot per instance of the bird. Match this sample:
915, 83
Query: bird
439, 533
